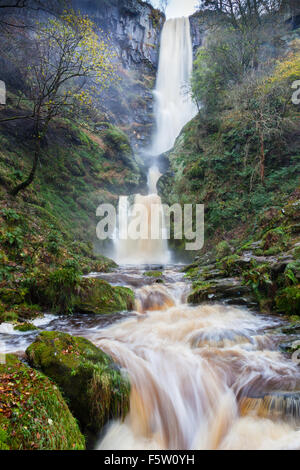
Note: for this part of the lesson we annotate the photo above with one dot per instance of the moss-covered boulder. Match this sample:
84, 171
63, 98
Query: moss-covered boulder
65, 291
99, 297
25, 327
33, 413
153, 274
230, 289
93, 384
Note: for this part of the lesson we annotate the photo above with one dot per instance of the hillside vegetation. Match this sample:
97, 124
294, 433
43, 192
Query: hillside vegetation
240, 155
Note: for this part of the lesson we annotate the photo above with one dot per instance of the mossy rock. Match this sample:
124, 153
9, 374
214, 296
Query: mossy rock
192, 273
92, 383
24, 327
201, 292
229, 289
275, 240
21, 312
233, 265
154, 274
33, 413
99, 297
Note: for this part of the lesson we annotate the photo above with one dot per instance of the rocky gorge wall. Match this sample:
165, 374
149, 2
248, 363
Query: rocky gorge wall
133, 28
199, 28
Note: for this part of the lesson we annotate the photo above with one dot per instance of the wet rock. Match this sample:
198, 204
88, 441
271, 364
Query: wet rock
99, 297
220, 339
134, 29
278, 265
133, 26
199, 28
228, 289
88, 377
274, 405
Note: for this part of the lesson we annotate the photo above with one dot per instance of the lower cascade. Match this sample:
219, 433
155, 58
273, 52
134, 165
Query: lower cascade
144, 249
203, 377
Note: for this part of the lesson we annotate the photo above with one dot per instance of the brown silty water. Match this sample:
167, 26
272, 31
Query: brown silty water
205, 377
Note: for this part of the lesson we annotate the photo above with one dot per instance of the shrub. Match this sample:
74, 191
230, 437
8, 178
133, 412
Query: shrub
223, 249
288, 300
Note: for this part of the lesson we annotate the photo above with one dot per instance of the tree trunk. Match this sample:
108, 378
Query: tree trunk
31, 176
262, 155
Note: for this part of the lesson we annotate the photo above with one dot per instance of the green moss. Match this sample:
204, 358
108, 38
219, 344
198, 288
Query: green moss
3, 440
275, 241
223, 249
98, 297
18, 312
259, 279
297, 253
153, 273
33, 413
288, 300
231, 265
201, 292
89, 379
12, 296
192, 273
24, 327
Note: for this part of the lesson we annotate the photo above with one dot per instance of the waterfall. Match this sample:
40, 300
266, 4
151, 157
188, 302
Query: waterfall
173, 103
205, 377
173, 109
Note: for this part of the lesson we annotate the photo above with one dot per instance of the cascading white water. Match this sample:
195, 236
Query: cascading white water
203, 377
173, 104
173, 109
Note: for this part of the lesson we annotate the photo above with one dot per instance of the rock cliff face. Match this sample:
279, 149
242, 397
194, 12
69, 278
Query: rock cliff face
133, 25
199, 29
134, 29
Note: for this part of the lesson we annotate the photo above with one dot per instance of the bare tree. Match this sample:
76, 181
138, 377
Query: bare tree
248, 13
66, 61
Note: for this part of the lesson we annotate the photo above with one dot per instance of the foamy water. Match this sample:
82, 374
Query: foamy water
189, 369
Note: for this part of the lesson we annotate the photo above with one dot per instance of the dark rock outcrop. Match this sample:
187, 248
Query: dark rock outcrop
199, 28
133, 28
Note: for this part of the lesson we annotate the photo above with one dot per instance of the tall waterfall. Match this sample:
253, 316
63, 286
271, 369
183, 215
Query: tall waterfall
174, 106
173, 109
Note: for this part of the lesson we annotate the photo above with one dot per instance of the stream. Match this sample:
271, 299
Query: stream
203, 377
